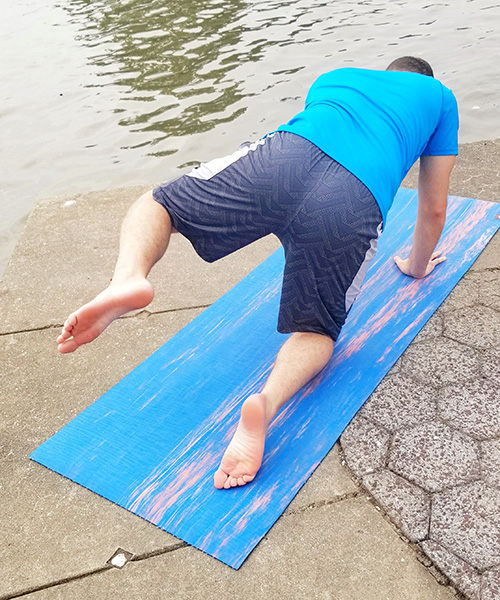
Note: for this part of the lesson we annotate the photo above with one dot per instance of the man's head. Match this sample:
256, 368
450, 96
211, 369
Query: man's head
412, 64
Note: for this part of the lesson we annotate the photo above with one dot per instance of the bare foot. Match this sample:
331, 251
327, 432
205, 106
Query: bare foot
243, 457
91, 319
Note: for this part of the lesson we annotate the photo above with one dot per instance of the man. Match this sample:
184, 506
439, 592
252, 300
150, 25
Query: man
322, 183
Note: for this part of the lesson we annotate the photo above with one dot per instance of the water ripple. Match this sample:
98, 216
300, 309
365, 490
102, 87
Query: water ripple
118, 93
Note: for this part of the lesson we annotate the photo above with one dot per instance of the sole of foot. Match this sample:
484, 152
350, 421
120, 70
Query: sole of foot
89, 321
243, 456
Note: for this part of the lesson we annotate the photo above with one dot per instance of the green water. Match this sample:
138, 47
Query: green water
99, 94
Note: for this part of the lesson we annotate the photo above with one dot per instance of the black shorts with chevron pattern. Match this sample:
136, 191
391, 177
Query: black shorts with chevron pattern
327, 221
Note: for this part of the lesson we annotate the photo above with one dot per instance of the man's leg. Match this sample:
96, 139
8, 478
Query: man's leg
301, 357
144, 237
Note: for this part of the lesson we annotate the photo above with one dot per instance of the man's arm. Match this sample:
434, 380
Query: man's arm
433, 183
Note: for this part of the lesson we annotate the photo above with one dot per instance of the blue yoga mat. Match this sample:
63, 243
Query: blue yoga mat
152, 443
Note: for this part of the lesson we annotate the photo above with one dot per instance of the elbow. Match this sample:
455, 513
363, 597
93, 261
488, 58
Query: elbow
435, 213
438, 220
439, 216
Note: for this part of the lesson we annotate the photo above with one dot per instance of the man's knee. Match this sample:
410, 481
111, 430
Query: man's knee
148, 198
319, 339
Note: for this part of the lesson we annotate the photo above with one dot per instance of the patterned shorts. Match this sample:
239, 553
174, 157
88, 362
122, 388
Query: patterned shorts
327, 221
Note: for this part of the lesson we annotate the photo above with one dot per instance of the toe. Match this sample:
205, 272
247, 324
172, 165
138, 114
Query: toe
67, 346
63, 336
71, 321
248, 478
220, 479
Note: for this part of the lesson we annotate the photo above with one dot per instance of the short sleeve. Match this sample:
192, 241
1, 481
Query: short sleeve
444, 140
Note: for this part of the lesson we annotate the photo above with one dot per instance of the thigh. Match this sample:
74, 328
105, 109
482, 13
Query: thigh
328, 247
230, 202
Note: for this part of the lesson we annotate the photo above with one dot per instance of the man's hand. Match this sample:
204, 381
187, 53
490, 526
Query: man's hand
406, 267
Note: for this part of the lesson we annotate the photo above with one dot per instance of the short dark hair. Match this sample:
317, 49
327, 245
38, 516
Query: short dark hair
412, 64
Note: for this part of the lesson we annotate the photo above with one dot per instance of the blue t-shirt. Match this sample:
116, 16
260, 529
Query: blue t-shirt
378, 123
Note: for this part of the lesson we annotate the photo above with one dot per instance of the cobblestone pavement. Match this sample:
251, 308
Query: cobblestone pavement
426, 445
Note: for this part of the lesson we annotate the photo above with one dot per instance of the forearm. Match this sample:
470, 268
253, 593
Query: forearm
433, 181
425, 238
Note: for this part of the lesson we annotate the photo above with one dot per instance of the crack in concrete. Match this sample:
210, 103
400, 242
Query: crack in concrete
136, 558
33, 330
439, 575
46, 586
468, 345
420, 555
321, 503
153, 553
168, 310
142, 312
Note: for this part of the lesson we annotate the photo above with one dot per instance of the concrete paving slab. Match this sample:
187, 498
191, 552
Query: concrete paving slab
491, 584
465, 294
66, 256
396, 367
408, 505
439, 362
365, 446
44, 515
473, 409
476, 175
477, 326
466, 521
489, 366
489, 289
326, 553
55, 529
488, 259
465, 577
434, 456
400, 402
490, 452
